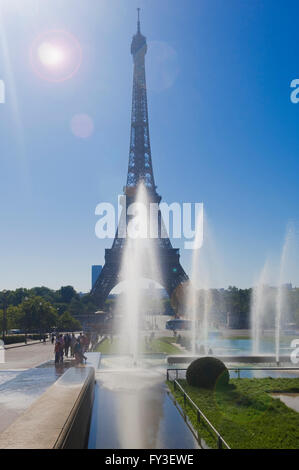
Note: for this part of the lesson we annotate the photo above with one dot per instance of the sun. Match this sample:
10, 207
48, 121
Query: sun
55, 55
51, 55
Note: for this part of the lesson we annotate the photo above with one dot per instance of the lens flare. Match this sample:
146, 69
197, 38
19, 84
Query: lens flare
50, 55
82, 126
56, 56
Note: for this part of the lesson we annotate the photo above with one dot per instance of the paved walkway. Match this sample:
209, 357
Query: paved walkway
27, 356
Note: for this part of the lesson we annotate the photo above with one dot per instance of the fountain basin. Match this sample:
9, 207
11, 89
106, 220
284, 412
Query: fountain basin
269, 359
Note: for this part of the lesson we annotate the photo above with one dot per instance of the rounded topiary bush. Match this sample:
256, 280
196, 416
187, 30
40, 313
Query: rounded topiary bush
207, 372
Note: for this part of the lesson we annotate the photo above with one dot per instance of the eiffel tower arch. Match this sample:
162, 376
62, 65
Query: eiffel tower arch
170, 273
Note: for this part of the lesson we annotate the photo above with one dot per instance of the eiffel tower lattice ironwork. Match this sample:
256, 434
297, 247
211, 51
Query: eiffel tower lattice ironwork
170, 273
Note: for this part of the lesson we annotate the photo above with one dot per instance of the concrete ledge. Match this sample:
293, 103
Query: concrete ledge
59, 419
268, 359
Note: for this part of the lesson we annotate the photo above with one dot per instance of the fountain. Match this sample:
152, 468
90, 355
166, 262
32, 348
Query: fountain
139, 251
282, 300
259, 302
199, 302
135, 410
193, 292
270, 304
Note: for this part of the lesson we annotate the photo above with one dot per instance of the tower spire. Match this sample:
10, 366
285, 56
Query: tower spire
138, 20
140, 159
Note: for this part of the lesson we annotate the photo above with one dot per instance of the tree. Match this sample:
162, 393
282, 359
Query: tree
68, 323
67, 293
37, 314
76, 307
13, 317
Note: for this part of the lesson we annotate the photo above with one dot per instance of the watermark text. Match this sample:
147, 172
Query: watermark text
151, 220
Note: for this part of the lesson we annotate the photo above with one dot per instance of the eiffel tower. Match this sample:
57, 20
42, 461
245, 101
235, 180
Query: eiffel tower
170, 273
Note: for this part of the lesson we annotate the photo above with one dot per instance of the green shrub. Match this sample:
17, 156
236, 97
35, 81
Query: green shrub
207, 372
12, 339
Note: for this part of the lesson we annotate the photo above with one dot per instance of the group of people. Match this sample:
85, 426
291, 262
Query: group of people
69, 344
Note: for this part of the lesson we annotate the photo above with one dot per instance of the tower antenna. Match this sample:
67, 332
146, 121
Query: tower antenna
138, 22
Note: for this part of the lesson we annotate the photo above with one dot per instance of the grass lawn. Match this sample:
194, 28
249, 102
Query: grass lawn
106, 347
245, 414
157, 345
164, 345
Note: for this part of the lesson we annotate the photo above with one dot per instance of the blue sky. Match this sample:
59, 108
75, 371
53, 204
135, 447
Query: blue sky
223, 130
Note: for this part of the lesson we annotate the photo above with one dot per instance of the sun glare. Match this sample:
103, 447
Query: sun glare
56, 55
50, 55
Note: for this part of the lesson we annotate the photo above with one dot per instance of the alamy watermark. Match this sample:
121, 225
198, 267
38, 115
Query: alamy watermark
295, 352
151, 220
295, 93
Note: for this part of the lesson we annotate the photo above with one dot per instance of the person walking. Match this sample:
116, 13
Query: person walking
67, 341
82, 341
86, 342
73, 342
79, 355
57, 352
61, 348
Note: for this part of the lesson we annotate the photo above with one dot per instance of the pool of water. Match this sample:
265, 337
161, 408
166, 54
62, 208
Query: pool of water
243, 346
132, 409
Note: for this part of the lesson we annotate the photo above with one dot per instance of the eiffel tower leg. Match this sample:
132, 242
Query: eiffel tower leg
170, 275
176, 277
106, 281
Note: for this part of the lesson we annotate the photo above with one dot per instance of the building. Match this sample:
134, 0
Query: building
95, 272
